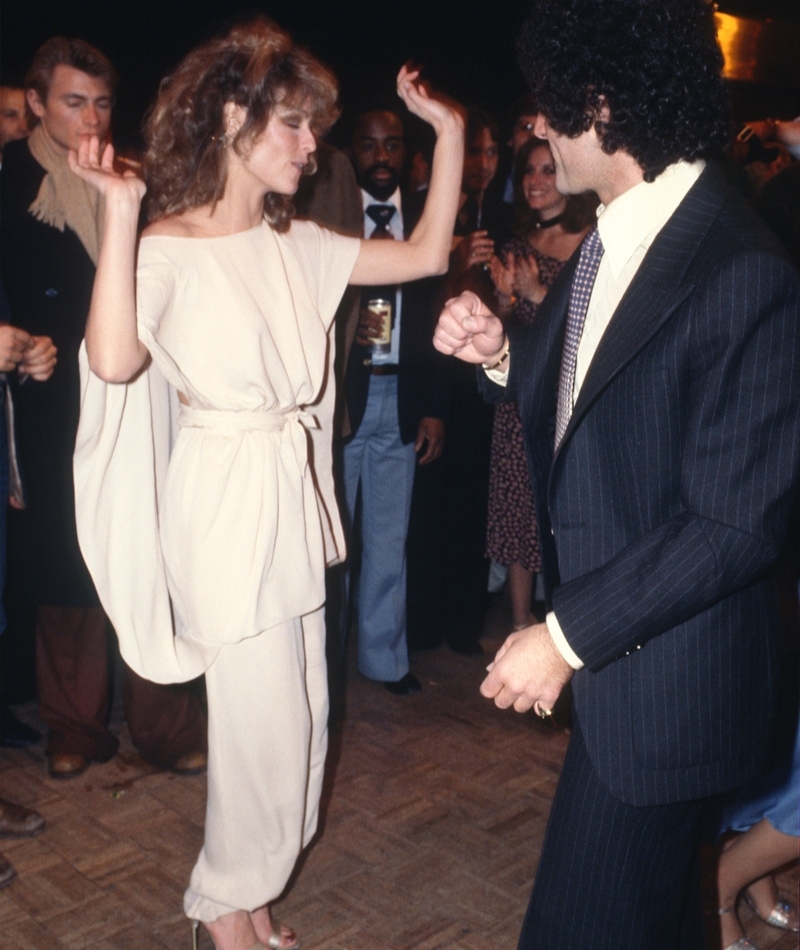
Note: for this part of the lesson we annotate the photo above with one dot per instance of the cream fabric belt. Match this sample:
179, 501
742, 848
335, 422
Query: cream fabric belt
243, 420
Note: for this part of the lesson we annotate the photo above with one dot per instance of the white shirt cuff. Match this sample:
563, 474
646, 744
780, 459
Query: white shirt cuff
557, 634
499, 376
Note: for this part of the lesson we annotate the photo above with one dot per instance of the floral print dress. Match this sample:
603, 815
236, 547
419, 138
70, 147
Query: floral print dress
512, 535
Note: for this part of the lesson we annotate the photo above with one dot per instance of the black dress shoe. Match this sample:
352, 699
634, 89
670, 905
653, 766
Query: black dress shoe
62, 765
405, 687
14, 733
16, 821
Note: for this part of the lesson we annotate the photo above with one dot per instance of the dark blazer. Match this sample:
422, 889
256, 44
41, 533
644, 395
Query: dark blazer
48, 277
332, 198
664, 509
422, 377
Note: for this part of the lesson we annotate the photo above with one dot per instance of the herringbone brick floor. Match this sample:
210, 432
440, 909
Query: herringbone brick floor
434, 813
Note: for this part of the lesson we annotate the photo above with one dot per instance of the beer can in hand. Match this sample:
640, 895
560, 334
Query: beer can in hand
383, 309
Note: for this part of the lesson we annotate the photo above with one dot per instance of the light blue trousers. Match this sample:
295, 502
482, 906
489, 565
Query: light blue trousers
377, 460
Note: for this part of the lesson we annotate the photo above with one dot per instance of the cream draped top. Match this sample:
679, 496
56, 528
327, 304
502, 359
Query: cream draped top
208, 523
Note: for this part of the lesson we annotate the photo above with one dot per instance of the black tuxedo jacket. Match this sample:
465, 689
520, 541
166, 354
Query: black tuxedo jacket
664, 509
422, 377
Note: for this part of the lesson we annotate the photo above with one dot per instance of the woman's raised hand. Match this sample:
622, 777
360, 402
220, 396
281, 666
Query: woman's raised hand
503, 274
528, 281
435, 109
98, 170
115, 353
427, 251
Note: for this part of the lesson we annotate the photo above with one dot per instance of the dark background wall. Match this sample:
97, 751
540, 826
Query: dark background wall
466, 46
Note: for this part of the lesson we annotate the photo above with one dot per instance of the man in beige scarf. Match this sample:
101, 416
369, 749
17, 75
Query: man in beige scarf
50, 237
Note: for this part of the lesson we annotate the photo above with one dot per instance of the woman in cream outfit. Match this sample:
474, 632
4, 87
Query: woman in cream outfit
203, 462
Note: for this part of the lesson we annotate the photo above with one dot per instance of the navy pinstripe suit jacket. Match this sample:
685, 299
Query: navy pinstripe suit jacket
664, 509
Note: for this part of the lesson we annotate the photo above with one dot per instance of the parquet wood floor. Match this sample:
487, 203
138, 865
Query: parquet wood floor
434, 812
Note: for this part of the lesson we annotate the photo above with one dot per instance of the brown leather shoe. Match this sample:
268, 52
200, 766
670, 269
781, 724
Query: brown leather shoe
193, 763
19, 822
7, 872
66, 764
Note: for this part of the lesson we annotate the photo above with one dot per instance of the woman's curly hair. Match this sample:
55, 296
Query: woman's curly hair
654, 63
255, 66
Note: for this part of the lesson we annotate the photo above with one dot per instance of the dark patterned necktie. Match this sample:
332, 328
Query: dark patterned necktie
381, 215
580, 294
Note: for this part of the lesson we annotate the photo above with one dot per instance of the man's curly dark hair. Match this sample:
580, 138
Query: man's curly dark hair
654, 63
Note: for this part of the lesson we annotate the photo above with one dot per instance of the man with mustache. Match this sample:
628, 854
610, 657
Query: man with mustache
395, 408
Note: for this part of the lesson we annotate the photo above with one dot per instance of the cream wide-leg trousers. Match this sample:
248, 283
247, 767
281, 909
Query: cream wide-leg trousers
267, 739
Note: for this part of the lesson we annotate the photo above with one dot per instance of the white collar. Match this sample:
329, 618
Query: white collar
633, 219
367, 200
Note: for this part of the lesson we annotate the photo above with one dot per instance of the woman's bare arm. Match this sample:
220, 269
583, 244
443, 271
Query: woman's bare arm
427, 251
112, 345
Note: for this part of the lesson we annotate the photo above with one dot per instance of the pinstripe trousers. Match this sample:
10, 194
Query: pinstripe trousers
613, 876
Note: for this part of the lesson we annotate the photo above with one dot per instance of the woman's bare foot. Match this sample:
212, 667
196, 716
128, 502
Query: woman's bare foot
233, 931
261, 920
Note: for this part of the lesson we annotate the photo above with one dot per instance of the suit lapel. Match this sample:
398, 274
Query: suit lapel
411, 207
664, 280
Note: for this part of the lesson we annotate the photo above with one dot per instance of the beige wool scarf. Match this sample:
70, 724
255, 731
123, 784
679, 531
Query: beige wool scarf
64, 199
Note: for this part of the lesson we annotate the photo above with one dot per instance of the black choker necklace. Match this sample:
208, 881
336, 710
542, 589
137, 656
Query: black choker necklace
551, 222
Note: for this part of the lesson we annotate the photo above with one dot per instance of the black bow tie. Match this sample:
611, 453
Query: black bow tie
381, 215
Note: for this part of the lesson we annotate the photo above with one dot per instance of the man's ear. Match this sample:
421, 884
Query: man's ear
34, 102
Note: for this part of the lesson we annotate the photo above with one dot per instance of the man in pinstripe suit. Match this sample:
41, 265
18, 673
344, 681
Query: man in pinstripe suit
661, 408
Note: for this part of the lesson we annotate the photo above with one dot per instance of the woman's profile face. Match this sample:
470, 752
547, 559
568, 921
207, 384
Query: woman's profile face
277, 156
539, 182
